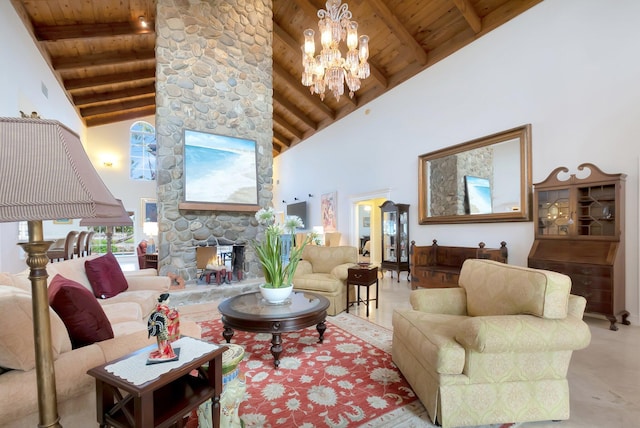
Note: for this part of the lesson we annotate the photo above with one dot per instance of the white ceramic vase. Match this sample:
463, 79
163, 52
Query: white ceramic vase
275, 295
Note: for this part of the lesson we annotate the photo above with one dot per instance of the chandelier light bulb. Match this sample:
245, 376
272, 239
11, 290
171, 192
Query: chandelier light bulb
334, 67
309, 43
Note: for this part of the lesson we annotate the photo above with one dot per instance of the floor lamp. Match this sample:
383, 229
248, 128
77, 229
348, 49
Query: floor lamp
124, 219
46, 175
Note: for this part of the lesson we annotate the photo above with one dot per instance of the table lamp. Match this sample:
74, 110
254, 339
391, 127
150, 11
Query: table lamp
46, 175
124, 219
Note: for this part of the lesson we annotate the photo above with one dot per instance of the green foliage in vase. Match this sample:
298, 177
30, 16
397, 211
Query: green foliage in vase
278, 272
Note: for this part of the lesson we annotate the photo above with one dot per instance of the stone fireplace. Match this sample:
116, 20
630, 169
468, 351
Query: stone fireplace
209, 78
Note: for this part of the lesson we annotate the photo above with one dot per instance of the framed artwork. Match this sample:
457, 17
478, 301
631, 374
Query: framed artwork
477, 195
219, 170
329, 211
148, 211
366, 221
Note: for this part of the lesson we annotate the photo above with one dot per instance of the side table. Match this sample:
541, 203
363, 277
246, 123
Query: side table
166, 398
363, 276
151, 260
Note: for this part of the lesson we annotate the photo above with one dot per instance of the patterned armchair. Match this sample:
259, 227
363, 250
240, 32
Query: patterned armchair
496, 349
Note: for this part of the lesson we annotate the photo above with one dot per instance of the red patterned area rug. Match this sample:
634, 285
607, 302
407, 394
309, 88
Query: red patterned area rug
348, 380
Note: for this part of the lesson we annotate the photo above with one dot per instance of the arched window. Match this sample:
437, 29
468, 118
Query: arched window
142, 151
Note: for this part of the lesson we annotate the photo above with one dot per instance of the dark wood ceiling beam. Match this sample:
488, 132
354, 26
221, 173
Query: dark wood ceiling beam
102, 59
101, 97
294, 110
110, 79
88, 31
114, 107
297, 86
468, 12
120, 116
286, 125
281, 139
400, 31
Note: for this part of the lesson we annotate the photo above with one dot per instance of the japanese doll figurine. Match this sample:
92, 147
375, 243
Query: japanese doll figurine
164, 324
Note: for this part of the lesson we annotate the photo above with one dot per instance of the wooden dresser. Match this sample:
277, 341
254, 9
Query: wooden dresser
438, 266
580, 232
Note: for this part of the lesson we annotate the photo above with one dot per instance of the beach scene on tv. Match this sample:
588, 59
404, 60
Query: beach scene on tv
219, 169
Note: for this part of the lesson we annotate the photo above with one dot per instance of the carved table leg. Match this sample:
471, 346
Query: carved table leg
276, 348
227, 334
321, 327
625, 315
612, 319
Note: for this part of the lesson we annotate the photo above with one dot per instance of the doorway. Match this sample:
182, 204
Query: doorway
366, 225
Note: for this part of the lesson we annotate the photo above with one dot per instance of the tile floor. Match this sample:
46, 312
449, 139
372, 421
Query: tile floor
604, 379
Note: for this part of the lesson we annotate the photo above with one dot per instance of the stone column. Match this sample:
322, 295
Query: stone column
213, 74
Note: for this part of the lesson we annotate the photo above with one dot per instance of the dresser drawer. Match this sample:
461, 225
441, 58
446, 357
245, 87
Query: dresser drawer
362, 276
591, 282
573, 268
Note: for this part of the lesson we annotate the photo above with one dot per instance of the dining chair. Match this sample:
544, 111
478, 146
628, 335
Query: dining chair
81, 244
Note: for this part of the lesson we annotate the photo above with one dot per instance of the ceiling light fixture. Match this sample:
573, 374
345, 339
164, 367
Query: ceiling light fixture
330, 70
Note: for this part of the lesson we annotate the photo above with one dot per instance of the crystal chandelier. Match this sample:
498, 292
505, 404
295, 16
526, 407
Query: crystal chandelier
330, 70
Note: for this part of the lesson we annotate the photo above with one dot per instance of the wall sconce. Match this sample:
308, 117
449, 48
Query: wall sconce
310, 195
295, 199
143, 21
284, 202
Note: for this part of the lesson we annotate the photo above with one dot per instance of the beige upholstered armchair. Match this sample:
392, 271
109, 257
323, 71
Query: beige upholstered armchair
332, 239
323, 270
496, 349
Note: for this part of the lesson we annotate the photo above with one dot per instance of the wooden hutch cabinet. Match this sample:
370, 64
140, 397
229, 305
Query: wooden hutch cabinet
395, 238
579, 231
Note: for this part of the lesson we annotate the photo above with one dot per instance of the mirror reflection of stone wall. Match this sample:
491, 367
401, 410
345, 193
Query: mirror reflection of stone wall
446, 179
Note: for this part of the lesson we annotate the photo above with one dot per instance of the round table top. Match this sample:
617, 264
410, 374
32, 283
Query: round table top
252, 306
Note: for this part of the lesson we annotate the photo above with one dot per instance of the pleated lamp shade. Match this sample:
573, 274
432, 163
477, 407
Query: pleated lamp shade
46, 174
124, 219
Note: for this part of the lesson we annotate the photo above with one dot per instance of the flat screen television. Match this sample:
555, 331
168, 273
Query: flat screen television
299, 209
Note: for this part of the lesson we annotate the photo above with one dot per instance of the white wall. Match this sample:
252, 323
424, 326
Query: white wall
24, 73
568, 67
112, 142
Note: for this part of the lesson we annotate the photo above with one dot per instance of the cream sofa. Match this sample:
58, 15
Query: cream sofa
324, 270
496, 349
127, 313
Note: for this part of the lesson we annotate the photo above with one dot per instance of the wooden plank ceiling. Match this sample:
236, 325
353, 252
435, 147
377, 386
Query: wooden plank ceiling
104, 57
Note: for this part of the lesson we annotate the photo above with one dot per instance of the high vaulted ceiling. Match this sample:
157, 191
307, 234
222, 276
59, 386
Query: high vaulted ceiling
105, 59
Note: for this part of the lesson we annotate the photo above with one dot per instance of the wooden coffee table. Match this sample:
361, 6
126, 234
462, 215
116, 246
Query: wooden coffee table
249, 312
166, 399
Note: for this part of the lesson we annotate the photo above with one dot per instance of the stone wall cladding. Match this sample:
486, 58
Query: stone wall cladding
213, 74
446, 179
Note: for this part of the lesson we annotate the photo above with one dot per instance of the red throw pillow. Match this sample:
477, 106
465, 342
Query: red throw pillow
105, 276
81, 313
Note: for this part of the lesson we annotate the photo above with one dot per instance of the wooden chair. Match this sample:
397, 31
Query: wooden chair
88, 246
67, 251
81, 244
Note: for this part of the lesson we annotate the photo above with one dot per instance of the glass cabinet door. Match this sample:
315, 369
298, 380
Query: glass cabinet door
404, 237
554, 214
389, 220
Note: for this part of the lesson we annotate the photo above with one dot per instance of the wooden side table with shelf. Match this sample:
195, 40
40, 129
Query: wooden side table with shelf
164, 400
363, 276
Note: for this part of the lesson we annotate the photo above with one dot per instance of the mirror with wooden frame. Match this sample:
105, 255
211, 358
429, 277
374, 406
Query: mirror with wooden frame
484, 180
